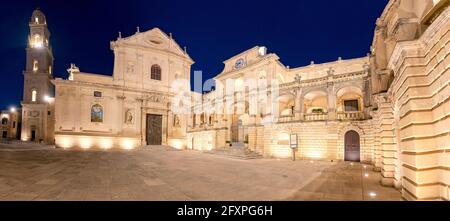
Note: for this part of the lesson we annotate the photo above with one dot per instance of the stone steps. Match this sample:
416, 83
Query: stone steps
236, 152
158, 147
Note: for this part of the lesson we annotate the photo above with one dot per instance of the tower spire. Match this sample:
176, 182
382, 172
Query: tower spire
38, 75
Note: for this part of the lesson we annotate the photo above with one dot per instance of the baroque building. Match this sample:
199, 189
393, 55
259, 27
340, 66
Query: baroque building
132, 107
10, 126
390, 108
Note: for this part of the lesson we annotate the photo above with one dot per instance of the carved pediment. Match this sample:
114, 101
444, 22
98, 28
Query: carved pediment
152, 39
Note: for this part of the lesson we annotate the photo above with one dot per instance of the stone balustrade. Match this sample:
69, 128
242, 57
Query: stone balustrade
356, 115
286, 118
316, 117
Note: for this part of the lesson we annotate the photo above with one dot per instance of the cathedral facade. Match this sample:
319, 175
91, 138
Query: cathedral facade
390, 108
132, 107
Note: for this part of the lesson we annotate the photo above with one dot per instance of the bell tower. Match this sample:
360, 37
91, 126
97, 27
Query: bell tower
38, 89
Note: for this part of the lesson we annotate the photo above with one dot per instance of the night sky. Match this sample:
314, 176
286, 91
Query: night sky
297, 31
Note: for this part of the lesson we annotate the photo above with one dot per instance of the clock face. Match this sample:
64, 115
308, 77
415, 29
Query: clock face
240, 63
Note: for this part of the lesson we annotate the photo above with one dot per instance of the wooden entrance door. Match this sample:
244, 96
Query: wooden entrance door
235, 129
352, 146
154, 129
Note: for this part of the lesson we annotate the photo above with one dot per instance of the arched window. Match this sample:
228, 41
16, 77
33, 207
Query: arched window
37, 41
202, 119
156, 72
97, 114
5, 121
33, 95
35, 65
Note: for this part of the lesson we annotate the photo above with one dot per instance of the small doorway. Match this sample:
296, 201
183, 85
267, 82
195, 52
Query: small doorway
352, 146
154, 129
5, 134
33, 135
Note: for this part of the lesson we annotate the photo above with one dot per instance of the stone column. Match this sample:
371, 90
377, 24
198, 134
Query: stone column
331, 102
197, 120
298, 111
170, 121
165, 129
388, 146
143, 126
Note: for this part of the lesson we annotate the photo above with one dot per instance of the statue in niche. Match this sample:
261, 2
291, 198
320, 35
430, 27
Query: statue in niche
129, 117
176, 121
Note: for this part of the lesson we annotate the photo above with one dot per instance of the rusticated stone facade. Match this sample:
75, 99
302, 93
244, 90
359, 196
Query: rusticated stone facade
410, 65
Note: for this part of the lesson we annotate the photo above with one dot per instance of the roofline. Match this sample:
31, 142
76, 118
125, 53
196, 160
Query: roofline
329, 63
167, 36
267, 57
240, 54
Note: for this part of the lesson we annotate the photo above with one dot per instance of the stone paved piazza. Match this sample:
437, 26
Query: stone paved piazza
163, 174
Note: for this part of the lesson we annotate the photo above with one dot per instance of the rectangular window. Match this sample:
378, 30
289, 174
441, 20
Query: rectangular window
97, 94
49, 113
14, 124
351, 105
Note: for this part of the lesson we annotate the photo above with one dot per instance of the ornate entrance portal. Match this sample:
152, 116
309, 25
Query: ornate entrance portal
154, 129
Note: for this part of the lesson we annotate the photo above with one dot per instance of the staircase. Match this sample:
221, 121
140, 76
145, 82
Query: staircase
236, 151
158, 147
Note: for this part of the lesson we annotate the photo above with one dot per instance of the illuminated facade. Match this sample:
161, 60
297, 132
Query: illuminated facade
390, 108
410, 83
37, 108
320, 103
132, 107
10, 124
393, 105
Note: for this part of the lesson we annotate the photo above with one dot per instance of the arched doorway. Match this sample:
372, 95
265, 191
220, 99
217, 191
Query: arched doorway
352, 146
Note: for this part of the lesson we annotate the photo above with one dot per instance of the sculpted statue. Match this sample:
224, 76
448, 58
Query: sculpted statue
129, 117
176, 121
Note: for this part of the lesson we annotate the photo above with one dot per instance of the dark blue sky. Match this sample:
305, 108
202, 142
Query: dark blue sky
298, 31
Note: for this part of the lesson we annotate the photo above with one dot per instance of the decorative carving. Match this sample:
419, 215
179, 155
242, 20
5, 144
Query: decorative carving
176, 121
129, 117
73, 69
298, 78
130, 67
330, 72
157, 98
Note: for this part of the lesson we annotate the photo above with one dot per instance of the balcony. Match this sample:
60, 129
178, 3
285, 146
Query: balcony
316, 117
356, 115
286, 118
